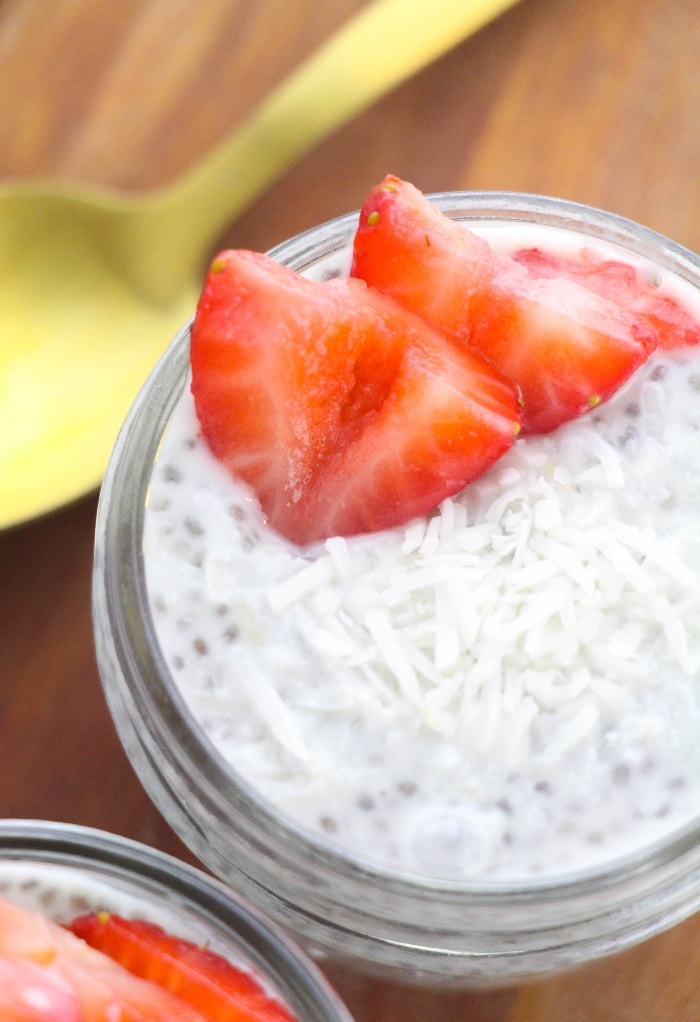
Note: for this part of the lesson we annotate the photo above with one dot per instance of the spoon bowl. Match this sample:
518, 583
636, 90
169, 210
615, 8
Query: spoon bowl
94, 283
77, 336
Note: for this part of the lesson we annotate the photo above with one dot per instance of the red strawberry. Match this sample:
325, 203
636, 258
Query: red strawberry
563, 347
622, 284
107, 991
201, 979
77, 983
566, 348
407, 248
343, 411
29, 993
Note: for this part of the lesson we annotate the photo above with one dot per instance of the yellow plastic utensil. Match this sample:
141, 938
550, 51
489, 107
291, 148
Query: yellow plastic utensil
93, 284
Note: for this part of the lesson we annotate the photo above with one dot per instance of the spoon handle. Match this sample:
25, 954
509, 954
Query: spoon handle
383, 44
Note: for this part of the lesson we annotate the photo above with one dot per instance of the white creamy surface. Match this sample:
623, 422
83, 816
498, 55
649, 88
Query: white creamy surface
62, 892
508, 688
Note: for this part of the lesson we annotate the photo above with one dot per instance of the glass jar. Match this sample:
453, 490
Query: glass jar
338, 904
64, 870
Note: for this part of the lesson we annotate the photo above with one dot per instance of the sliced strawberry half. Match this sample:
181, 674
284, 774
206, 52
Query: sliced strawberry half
623, 284
29, 993
341, 409
566, 348
200, 978
77, 982
407, 248
106, 991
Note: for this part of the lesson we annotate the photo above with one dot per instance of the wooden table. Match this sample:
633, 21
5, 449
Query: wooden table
591, 100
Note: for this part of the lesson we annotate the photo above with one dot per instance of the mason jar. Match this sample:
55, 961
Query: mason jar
65, 870
341, 902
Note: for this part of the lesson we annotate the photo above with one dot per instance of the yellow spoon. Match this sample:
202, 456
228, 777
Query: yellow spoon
93, 284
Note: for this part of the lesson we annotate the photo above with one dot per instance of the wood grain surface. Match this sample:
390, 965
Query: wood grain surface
590, 100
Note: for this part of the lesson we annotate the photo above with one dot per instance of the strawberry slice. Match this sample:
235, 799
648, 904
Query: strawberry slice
75, 981
343, 411
407, 248
107, 991
200, 978
29, 993
564, 347
623, 284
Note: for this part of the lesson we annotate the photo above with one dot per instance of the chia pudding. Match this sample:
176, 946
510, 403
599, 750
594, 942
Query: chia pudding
507, 688
64, 892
